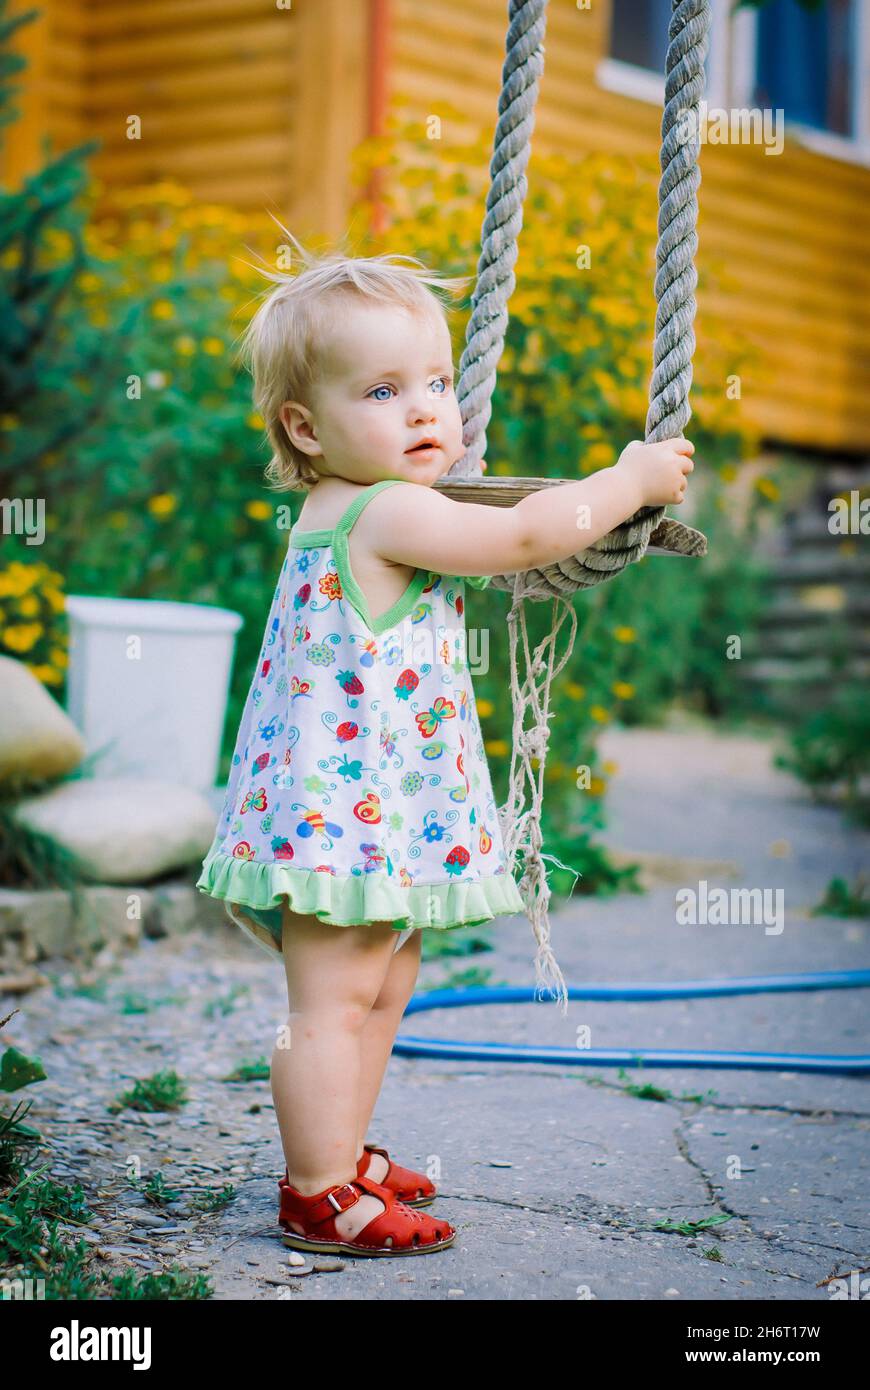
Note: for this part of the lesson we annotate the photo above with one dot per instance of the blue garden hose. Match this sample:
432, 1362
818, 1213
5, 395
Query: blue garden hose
850, 1065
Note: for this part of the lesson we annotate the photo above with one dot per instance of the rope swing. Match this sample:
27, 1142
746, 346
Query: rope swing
648, 530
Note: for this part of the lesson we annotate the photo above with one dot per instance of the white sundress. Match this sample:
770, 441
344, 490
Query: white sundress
359, 787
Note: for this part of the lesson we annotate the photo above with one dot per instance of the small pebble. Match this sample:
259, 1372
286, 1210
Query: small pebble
327, 1266
295, 1258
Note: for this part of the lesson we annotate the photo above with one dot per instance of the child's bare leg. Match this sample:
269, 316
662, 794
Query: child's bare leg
378, 1035
334, 976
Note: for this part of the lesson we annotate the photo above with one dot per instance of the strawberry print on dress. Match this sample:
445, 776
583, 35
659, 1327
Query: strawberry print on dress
359, 787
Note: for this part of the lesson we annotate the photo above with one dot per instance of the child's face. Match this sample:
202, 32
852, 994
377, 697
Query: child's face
386, 384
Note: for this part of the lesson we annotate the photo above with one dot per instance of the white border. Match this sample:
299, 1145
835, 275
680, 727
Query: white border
731, 78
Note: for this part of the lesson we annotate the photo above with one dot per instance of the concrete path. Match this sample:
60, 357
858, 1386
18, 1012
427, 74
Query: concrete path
555, 1176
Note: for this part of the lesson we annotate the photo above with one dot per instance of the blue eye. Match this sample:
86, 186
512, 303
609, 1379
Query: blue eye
380, 388
446, 382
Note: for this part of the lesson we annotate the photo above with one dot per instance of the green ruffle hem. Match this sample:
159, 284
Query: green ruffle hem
253, 893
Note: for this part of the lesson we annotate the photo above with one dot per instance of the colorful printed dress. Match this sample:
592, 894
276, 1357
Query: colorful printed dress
359, 787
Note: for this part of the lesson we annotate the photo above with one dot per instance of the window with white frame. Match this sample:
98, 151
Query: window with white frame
639, 32
805, 63
638, 46
812, 63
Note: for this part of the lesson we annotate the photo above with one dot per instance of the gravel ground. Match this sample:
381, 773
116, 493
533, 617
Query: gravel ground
555, 1176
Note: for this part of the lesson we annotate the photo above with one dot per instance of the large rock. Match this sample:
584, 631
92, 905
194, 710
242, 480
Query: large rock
123, 829
37, 738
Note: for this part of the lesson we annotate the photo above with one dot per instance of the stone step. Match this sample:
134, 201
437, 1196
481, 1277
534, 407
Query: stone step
807, 528
816, 611
763, 671
778, 640
816, 567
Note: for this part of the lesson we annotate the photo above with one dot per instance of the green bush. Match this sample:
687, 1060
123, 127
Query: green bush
831, 749
163, 495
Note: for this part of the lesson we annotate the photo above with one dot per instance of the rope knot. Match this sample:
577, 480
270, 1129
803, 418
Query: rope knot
534, 741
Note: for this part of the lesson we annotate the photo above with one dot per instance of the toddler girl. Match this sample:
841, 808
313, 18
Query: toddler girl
359, 807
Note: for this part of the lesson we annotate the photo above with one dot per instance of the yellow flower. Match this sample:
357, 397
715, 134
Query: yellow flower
622, 690
55, 599
577, 692
213, 346
609, 767
47, 674
624, 634
17, 580
22, 636
255, 421
163, 309
597, 786
599, 454
213, 215
28, 606
185, 346
59, 656
259, 511
485, 707
163, 504
768, 488
88, 281
599, 714
497, 746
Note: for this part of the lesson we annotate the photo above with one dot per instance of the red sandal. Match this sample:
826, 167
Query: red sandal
410, 1233
414, 1189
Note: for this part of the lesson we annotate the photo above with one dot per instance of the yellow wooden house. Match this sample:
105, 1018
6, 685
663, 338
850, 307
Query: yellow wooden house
259, 103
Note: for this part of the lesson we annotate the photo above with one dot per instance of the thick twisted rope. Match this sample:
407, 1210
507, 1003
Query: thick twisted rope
675, 281
667, 415
503, 220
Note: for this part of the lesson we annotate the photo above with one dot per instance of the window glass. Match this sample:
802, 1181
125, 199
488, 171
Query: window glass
804, 62
639, 32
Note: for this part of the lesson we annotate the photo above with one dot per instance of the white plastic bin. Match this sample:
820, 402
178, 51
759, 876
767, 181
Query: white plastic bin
148, 683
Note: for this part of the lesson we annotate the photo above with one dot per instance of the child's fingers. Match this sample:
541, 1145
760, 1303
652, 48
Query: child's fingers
682, 446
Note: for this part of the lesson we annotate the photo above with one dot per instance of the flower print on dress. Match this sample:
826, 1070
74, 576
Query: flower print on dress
359, 760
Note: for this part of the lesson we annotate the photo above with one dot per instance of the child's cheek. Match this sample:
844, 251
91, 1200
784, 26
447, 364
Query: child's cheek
380, 432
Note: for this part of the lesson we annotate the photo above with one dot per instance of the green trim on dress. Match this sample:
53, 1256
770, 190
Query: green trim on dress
338, 539
259, 887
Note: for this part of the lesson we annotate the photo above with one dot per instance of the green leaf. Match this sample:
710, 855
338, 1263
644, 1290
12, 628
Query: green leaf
16, 1070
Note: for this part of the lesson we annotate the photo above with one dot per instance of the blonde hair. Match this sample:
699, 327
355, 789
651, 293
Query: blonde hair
282, 344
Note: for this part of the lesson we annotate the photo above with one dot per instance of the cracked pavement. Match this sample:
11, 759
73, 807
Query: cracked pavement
554, 1176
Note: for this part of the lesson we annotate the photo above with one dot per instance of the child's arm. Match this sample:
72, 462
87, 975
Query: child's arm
414, 525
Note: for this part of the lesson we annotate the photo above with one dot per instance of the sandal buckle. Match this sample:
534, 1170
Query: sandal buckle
331, 1198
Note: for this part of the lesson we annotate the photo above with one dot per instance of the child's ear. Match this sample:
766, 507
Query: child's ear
299, 427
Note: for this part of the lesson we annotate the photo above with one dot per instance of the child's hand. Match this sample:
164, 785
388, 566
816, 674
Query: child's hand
658, 470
